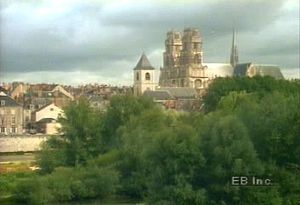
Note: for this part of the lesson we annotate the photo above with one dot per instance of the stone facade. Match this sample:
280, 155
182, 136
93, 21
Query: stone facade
48, 126
183, 61
45, 119
143, 78
48, 111
21, 143
11, 116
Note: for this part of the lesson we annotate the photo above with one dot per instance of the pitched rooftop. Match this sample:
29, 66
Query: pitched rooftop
143, 64
180, 92
7, 101
261, 69
159, 94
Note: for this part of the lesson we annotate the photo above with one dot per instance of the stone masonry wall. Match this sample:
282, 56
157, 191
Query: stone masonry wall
21, 143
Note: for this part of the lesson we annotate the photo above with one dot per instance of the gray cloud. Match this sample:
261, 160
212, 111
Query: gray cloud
107, 38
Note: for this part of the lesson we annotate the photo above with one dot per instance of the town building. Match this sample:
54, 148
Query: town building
11, 115
181, 98
39, 95
162, 97
18, 92
2, 89
44, 120
47, 111
144, 76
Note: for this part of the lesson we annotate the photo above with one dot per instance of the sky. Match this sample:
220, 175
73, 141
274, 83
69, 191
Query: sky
88, 41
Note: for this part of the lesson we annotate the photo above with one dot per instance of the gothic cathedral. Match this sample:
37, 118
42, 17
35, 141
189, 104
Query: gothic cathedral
183, 61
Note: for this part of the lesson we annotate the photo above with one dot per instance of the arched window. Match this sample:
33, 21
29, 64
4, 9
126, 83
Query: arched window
147, 76
198, 83
137, 76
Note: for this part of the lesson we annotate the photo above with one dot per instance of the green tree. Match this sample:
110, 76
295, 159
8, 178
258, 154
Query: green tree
229, 152
160, 158
272, 121
52, 155
81, 129
81, 139
68, 184
120, 110
261, 85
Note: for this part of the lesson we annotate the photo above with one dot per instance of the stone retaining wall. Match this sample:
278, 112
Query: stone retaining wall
21, 143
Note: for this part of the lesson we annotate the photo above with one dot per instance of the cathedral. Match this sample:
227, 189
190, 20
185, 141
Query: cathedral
184, 71
182, 65
183, 61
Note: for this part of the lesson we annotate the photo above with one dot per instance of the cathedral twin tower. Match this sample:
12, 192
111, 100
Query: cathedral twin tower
183, 60
182, 64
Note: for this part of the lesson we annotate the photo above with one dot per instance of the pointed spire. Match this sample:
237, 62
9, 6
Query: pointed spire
233, 38
234, 58
143, 63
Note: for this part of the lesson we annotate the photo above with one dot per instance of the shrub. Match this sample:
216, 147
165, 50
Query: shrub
67, 184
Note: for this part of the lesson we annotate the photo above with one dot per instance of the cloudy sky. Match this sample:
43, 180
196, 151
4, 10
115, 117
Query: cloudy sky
82, 41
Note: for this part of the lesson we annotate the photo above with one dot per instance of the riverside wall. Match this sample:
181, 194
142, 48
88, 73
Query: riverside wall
21, 143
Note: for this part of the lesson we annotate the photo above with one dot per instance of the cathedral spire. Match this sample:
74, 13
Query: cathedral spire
234, 58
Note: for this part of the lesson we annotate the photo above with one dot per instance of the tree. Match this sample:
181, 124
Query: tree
81, 129
261, 85
52, 155
160, 158
81, 139
121, 109
229, 152
272, 122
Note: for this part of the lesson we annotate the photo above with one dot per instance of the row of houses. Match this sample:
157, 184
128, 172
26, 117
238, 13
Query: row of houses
36, 108
13, 118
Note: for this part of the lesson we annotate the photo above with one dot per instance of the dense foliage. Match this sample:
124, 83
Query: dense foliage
260, 85
139, 150
65, 184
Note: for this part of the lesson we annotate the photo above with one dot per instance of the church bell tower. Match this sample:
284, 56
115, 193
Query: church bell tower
143, 78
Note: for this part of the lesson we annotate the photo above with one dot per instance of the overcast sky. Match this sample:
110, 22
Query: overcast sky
77, 42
